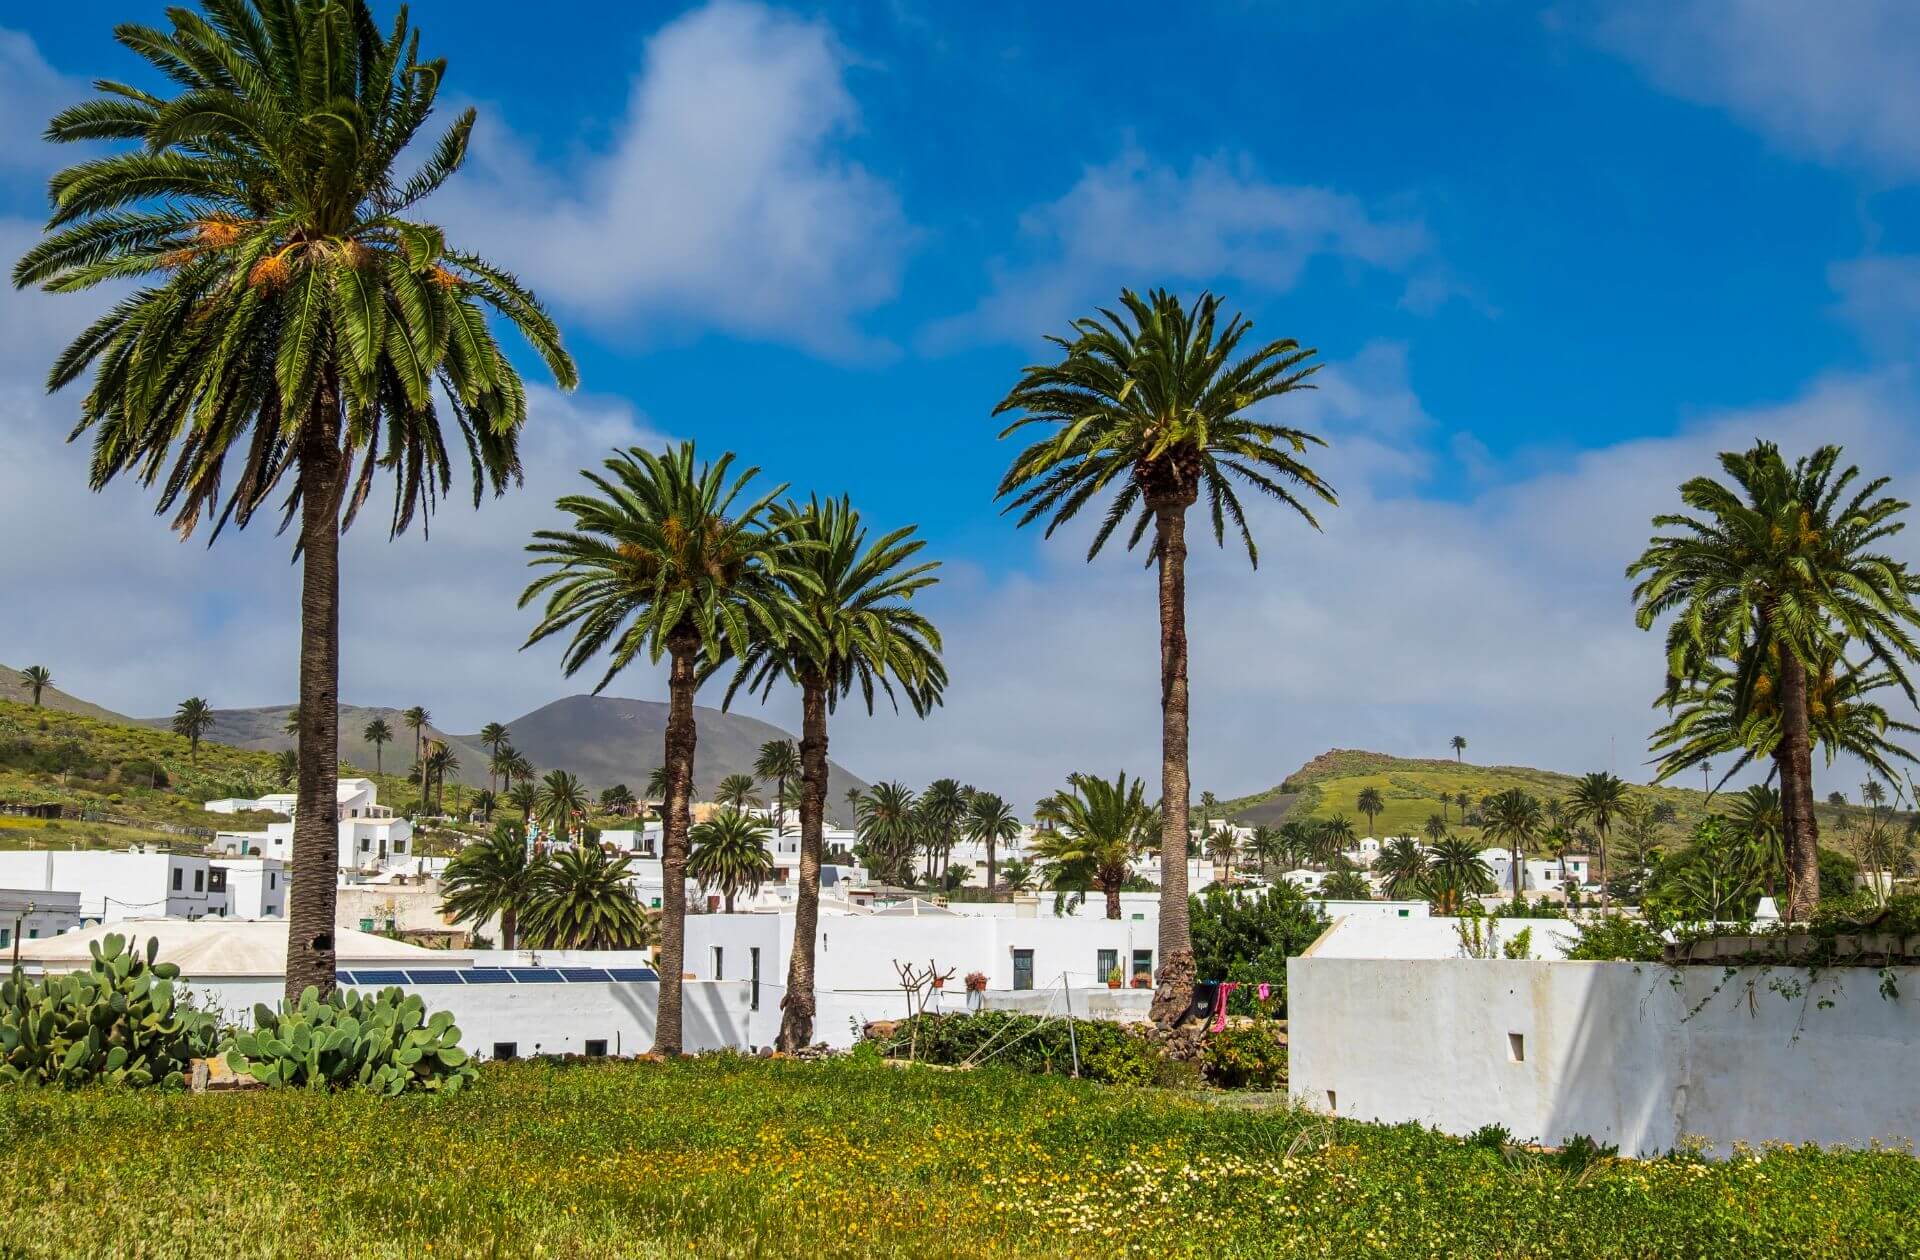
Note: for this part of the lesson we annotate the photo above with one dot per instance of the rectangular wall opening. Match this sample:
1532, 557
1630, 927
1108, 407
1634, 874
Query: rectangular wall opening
505, 1049
1333, 1101
1516, 1047
596, 1048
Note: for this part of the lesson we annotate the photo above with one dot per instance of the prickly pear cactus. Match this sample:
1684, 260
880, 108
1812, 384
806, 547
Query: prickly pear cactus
119, 1022
385, 1042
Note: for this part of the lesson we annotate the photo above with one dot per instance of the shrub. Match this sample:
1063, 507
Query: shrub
1521, 946
384, 1042
1249, 938
143, 772
1615, 938
1246, 1056
118, 1022
1109, 1052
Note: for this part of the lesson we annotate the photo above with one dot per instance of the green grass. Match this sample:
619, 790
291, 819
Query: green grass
730, 1157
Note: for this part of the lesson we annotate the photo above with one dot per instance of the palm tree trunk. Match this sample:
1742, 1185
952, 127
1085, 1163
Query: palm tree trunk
1112, 888
993, 869
683, 644
797, 1006
1175, 992
316, 830
509, 926
1517, 870
1796, 790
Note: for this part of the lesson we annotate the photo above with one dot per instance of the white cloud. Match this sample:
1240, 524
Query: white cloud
1832, 81
31, 92
1134, 217
1880, 296
724, 200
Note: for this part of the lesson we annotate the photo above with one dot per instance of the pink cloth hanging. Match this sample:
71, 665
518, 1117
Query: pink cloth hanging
1263, 990
1220, 1003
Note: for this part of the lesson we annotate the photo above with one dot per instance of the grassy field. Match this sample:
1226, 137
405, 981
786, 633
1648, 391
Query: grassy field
731, 1157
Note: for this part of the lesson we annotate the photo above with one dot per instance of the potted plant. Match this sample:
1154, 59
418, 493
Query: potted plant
1114, 978
976, 982
1143, 979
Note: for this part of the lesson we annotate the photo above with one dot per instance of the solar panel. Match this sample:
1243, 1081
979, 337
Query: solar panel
364, 978
534, 975
487, 975
434, 977
585, 975
633, 973
343, 977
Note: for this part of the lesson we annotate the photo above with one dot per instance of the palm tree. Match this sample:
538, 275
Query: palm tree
493, 737
617, 799
1302, 839
292, 725
1372, 804
440, 762
1781, 559
379, 734
560, 804
736, 790
501, 763
1455, 870
779, 764
657, 784
1099, 828
944, 806
1222, 847
1333, 836
1515, 817
666, 557
853, 807
1459, 745
484, 803
1154, 406
1345, 884
37, 678
889, 832
730, 853
490, 876
857, 628
1268, 847
1756, 819
192, 719
1403, 864
1598, 798
1016, 875
991, 822
581, 898
417, 719
525, 798
1436, 826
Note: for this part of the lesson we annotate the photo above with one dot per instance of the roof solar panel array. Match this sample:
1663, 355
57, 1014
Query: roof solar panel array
381, 977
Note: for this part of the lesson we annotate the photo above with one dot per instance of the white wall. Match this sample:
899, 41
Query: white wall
115, 885
53, 913
256, 887
1608, 1049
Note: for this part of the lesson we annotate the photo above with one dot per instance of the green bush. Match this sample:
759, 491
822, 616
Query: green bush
118, 1022
384, 1042
1246, 1056
1248, 938
143, 772
1615, 938
1109, 1052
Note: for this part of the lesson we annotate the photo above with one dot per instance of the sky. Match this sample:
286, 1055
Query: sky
1552, 257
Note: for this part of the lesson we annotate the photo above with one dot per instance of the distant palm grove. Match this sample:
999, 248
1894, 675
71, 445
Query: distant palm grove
298, 331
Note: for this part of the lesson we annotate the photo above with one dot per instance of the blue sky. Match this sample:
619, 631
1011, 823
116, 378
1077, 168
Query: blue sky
1553, 256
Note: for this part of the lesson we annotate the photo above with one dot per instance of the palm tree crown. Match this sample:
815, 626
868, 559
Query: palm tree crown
1099, 827
582, 899
560, 804
379, 734
1514, 817
192, 719
730, 853
736, 790
488, 877
37, 678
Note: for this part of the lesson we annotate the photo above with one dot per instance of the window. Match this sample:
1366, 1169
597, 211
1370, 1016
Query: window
199, 881
6, 937
366, 845
1023, 969
399, 846
753, 968
1517, 1047
1405, 913
33, 934
178, 875
597, 1048
1106, 962
273, 881
1142, 961
719, 963
505, 1049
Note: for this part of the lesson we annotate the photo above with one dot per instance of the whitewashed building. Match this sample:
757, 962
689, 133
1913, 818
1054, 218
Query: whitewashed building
117, 884
372, 837
27, 914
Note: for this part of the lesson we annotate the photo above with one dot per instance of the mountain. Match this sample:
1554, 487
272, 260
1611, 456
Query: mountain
603, 739
607, 740
14, 688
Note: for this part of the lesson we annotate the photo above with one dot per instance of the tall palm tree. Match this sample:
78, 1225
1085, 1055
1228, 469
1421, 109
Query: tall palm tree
1403, 864
1756, 820
1455, 871
37, 679
379, 734
500, 766
192, 719
1302, 837
560, 804
990, 822
889, 832
1781, 558
1223, 847
944, 806
730, 853
1153, 405
617, 799
493, 737
417, 719
1268, 847
778, 763
856, 633
441, 761
736, 790
1599, 798
582, 899
1372, 804
490, 876
525, 798
667, 557
1436, 826
853, 807
1459, 745
1333, 836
1099, 828
1515, 818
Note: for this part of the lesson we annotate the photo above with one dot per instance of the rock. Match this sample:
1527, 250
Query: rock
215, 1076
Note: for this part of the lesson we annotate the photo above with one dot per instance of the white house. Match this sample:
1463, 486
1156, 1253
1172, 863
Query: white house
256, 887
371, 836
114, 884
27, 914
